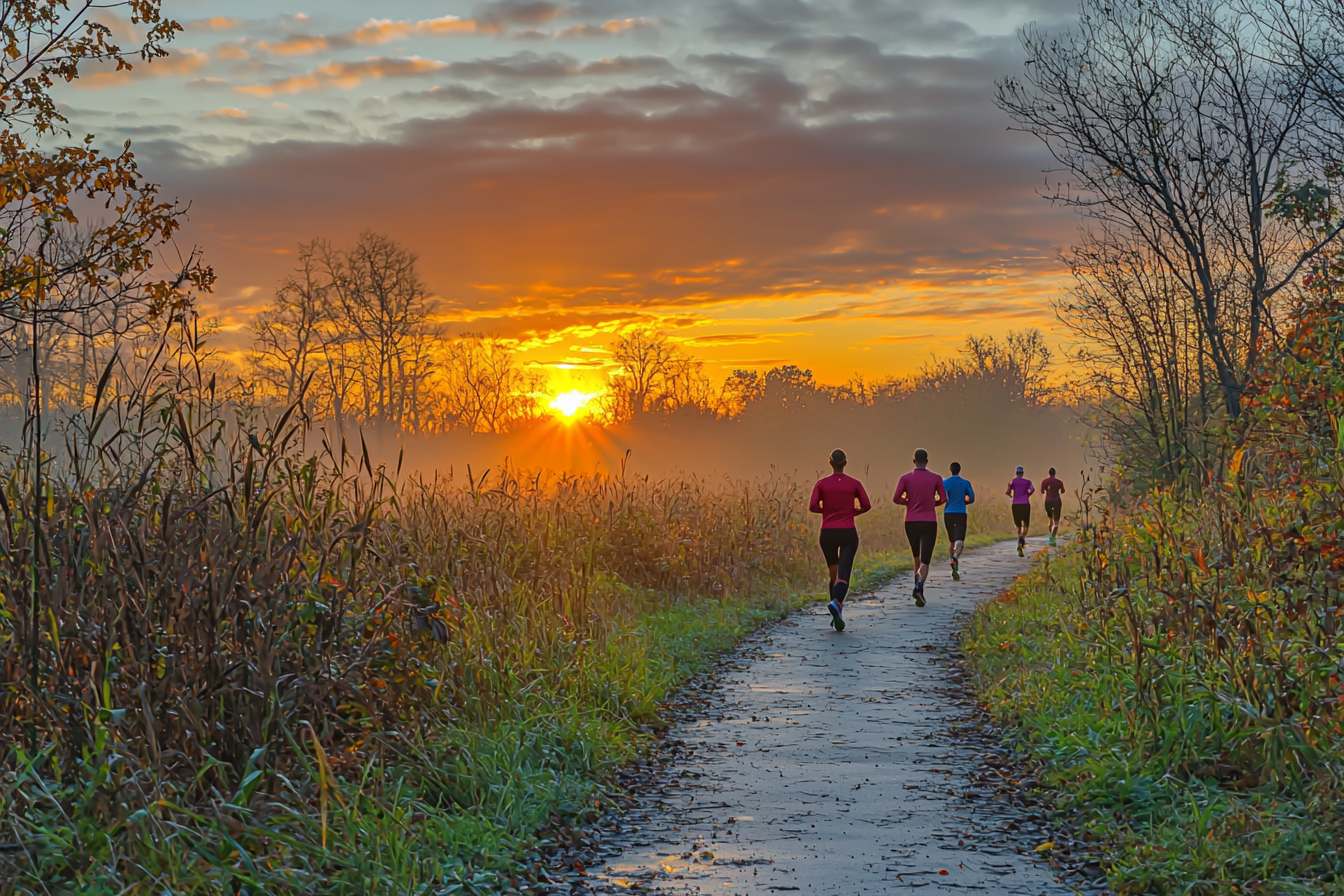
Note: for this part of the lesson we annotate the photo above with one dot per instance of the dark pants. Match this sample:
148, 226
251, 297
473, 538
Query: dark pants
956, 526
1022, 515
840, 546
923, 536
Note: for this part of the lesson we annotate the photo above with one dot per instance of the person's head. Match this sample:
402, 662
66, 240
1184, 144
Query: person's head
838, 460
1020, 471
1052, 471
921, 457
955, 468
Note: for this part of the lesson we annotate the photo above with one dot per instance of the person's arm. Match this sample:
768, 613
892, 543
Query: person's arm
815, 505
901, 497
1009, 492
970, 494
864, 504
939, 495
1031, 489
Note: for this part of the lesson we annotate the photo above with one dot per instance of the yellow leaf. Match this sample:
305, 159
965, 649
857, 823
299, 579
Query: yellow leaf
1049, 844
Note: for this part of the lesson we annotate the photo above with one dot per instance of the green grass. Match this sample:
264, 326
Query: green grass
1175, 814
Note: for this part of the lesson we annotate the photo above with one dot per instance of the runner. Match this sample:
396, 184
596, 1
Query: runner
959, 494
1021, 491
834, 498
921, 491
1053, 489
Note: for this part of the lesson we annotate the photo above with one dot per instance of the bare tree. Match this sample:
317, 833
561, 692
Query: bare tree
1175, 132
1018, 368
382, 299
655, 374
1139, 358
292, 336
483, 387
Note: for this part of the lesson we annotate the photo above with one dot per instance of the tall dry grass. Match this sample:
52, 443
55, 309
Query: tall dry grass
232, 665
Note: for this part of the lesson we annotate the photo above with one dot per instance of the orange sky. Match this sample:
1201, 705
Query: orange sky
820, 183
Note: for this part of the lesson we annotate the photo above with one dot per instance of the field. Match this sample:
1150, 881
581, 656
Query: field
250, 670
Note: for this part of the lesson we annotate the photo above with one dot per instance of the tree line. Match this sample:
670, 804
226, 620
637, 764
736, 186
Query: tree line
351, 336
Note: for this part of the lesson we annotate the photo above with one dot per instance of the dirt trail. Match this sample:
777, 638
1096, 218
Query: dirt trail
825, 765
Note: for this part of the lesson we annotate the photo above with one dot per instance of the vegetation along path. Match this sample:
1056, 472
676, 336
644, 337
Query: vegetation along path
827, 765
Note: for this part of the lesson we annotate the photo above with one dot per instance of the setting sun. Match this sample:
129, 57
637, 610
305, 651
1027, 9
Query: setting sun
570, 404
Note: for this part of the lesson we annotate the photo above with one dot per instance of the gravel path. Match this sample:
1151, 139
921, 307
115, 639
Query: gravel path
826, 763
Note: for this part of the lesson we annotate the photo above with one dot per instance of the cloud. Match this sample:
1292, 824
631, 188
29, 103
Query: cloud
496, 17
792, 166
610, 28
345, 75
226, 112
374, 31
214, 23
732, 339
899, 339
178, 63
529, 66
649, 200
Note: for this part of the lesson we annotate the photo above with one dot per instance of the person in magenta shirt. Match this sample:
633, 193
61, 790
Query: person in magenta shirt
1053, 490
839, 498
921, 492
1021, 490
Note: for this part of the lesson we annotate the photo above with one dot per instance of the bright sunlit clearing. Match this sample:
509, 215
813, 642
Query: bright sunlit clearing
570, 404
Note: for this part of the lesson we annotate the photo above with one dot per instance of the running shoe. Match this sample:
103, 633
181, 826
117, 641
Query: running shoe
837, 621
1052, 541
919, 593
956, 575
1021, 547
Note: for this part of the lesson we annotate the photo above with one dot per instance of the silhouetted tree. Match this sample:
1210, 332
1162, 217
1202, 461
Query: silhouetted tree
483, 387
1176, 125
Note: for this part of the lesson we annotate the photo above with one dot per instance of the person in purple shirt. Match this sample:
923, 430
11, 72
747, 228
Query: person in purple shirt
1021, 490
1053, 490
839, 498
921, 492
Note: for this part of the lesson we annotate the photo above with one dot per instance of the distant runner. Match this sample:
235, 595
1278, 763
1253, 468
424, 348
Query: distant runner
1053, 489
1021, 491
959, 494
921, 491
834, 498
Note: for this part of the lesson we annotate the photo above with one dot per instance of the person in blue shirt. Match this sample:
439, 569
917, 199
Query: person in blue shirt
959, 494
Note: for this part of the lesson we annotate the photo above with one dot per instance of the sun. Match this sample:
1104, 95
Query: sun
569, 405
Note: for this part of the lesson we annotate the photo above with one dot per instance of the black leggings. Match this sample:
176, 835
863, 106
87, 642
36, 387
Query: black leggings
840, 546
923, 535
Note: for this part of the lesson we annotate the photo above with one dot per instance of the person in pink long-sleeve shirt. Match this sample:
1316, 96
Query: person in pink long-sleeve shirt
921, 492
839, 498
1021, 490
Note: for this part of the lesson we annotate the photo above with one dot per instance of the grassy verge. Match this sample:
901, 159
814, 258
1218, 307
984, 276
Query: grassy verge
1142, 755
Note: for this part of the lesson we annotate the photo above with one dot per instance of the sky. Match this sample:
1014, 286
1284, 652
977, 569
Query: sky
824, 183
